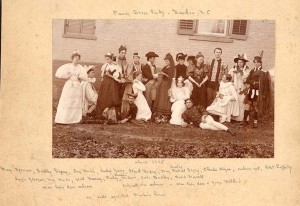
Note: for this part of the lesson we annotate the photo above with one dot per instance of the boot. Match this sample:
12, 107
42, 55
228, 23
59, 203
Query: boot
246, 114
255, 119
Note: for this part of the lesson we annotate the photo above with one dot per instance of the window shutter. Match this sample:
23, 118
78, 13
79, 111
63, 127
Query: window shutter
80, 29
239, 29
88, 27
73, 26
186, 27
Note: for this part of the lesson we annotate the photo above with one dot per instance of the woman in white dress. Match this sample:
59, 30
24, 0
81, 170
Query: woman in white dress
70, 106
179, 93
144, 112
239, 74
226, 103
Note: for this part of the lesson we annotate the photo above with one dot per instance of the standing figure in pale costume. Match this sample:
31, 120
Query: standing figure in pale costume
179, 93
239, 74
143, 109
226, 103
69, 108
89, 94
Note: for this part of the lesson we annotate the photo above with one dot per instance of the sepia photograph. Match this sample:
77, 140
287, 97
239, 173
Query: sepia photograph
176, 88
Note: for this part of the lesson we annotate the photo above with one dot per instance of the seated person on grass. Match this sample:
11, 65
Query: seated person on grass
200, 118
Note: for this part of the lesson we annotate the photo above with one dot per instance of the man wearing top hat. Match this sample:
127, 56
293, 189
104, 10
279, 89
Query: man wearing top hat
258, 96
216, 71
150, 78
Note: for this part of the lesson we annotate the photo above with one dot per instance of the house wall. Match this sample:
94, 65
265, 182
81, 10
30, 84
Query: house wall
161, 36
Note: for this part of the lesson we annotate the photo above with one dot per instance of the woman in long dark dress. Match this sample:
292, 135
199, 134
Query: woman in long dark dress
162, 105
199, 80
108, 91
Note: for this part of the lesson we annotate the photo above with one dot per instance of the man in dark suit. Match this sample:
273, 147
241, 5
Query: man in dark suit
216, 71
150, 78
259, 93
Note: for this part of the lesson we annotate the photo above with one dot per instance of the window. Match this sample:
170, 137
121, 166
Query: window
80, 29
212, 27
214, 30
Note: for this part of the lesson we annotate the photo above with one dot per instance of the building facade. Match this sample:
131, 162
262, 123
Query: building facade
94, 38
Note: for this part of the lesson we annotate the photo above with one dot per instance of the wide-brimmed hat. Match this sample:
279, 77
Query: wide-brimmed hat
151, 54
122, 47
199, 55
180, 56
75, 53
136, 55
242, 57
259, 57
168, 57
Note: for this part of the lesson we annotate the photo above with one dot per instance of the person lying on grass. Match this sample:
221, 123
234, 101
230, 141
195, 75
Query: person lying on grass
199, 117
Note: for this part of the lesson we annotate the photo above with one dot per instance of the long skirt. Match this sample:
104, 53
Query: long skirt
241, 98
177, 109
125, 104
69, 109
108, 95
162, 104
199, 95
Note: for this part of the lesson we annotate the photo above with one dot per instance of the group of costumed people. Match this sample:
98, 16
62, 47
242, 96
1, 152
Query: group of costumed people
205, 95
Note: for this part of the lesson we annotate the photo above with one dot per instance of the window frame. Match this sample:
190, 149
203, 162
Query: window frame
79, 35
228, 38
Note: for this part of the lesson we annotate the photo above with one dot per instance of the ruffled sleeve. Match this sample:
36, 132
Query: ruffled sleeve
63, 72
83, 74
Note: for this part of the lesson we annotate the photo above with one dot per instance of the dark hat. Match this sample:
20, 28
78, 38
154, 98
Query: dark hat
259, 57
122, 47
151, 54
199, 55
136, 55
168, 57
180, 56
242, 57
191, 58
74, 54
132, 95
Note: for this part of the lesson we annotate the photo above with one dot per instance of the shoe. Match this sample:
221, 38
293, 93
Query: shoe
245, 123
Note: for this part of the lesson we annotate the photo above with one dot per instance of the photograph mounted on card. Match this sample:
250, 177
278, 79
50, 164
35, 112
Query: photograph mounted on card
181, 88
